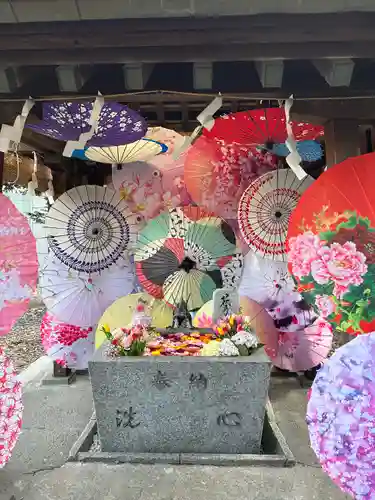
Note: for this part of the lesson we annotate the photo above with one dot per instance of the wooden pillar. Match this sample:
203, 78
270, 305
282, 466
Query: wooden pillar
342, 140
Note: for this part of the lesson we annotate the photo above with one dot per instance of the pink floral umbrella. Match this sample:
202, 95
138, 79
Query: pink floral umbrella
68, 345
147, 189
11, 408
341, 417
302, 350
18, 264
217, 173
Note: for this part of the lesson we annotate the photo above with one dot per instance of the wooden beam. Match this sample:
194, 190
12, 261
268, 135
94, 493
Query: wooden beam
267, 29
136, 75
336, 72
190, 53
342, 140
270, 73
362, 110
202, 75
72, 78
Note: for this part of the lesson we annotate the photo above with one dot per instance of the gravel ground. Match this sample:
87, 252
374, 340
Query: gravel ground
23, 343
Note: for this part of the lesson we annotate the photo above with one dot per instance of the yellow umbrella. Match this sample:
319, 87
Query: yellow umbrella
120, 313
203, 318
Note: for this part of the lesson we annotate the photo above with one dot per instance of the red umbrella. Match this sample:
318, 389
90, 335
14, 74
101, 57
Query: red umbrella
261, 127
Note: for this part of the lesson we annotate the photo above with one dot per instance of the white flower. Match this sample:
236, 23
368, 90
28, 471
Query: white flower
227, 348
247, 339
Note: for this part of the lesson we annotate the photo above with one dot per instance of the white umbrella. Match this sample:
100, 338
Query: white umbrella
142, 150
89, 228
265, 209
265, 280
78, 298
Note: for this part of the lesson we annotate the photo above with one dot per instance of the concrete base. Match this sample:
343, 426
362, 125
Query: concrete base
50, 380
275, 451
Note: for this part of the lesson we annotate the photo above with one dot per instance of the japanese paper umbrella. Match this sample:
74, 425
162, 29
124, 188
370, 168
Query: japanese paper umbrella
303, 349
120, 314
69, 345
11, 408
264, 127
18, 264
265, 209
146, 189
80, 298
331, 241
218, 172
90, 228
341, 417
186, 254
141, 150
66, 121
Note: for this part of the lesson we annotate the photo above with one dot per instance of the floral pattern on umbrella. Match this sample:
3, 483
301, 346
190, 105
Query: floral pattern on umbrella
341, 417
11, 408
147, 190
335, 267
70, 346
218, 172
18, 265
66, 121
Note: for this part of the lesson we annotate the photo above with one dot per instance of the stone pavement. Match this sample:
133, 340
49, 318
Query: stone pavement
54, 417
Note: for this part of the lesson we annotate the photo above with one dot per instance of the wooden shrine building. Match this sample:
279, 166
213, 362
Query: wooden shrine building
168, 58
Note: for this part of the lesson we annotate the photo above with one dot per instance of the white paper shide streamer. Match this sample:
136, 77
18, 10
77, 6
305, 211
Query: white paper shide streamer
206, 120
9, 133
50, 193
293, 159
70, 146
33, 184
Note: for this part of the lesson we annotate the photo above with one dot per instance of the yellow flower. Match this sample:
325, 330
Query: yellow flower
106, 328
126, 194
210, 349
155, 353
231, 320
220, 331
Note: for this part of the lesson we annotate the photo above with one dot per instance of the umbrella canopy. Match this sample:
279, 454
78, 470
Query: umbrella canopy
308, 150
79, 298
261, 127
170, 167
203, 317
18, 265
302, 350
90, 228
66, 121
11, 408
147, 190
142, 150
331, 241
120, 314
264, 211
70, 346
217, 172
265, 280
341, 417
186, 254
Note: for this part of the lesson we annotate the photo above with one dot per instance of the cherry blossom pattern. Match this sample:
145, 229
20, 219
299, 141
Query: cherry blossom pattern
68, 345
341, 417
11, 408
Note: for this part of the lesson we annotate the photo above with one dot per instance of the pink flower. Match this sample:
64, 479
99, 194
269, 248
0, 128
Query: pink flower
303, 250
325, 304
342, 264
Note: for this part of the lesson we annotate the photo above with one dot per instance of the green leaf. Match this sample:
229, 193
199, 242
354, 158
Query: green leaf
364, 221
349, 224
327, 235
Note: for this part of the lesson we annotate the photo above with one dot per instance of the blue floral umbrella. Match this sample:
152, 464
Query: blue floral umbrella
308, 150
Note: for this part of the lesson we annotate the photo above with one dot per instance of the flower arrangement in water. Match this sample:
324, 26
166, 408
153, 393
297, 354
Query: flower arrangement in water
128, 341
235, 336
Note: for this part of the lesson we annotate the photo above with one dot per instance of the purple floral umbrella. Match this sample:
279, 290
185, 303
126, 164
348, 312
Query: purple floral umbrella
66, 121
341, 417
